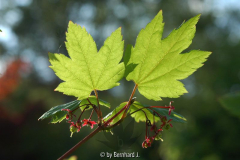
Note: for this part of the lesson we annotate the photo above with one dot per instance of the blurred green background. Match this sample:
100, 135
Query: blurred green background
31, 29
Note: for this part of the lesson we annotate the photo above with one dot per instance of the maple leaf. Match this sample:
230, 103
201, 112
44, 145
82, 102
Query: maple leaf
159, 64
86, 69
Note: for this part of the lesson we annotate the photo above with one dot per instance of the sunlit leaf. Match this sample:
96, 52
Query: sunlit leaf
87, 69
160, 65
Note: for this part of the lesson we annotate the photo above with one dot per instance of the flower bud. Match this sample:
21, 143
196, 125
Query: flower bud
73, 129
67, 116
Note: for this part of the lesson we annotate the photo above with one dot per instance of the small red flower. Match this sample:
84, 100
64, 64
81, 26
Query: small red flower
69, 115
88, 122
73, 125
160, 130
147, 142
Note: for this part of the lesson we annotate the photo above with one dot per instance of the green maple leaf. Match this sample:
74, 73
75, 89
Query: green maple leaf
160, 65
86, 69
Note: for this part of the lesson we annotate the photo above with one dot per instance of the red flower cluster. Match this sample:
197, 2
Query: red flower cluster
75, 127
156, 131
147, 142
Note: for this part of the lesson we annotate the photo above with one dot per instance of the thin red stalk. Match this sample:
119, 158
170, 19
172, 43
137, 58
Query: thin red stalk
91, 114
100, 113
80, 143
109, 121
146, 130
93, 107
129, 101
160, 106
81, 115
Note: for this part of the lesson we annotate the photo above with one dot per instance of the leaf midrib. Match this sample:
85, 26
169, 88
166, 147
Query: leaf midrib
105, 64
86, 62
162, 58
144, 57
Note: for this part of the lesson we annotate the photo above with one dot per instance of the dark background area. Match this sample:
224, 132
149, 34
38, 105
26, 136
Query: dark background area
31, 29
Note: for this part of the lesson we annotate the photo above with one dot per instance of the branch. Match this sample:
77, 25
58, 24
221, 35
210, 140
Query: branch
80, 143
100, 113
130, 102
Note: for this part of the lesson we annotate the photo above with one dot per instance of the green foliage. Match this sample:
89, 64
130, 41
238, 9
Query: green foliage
93, 100
58, 115
86, 69
56, 112
115, 111
154, 64
140, 115
159, 62
231, 102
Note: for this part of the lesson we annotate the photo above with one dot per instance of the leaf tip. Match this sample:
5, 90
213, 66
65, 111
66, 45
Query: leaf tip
197, 17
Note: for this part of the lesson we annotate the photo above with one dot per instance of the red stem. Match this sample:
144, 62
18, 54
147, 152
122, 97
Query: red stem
109, 121
81, 115
160, 106
80, 143
146, 130
94, 107
91, 115
100, 113
129, 101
